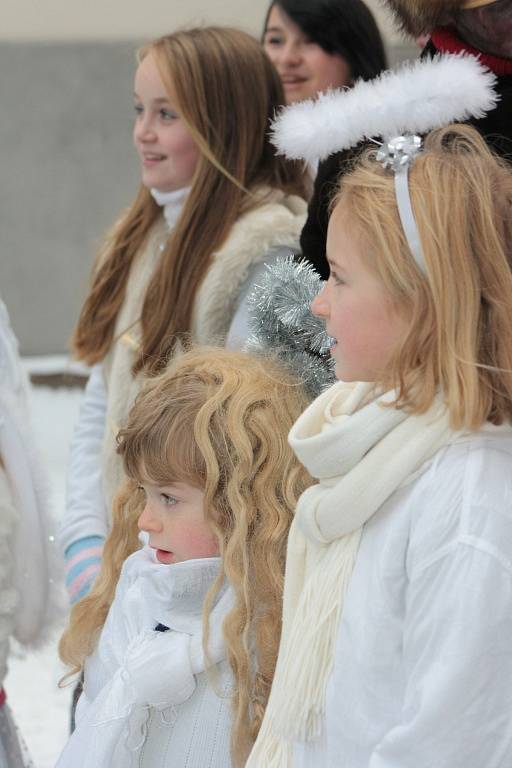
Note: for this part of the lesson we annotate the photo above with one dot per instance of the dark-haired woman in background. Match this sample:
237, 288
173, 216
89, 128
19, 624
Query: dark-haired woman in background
316, 45
320, 44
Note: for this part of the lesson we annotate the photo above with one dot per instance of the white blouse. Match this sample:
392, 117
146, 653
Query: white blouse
423, 663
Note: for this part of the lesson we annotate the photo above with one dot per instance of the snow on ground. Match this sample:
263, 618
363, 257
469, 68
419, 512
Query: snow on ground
40, 708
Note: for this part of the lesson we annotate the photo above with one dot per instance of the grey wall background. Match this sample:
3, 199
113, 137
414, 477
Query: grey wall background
68, 169
128, 19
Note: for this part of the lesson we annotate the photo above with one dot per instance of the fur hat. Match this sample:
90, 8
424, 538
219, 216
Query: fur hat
420, 16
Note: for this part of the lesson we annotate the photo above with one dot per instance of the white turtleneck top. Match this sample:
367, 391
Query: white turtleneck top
171, 204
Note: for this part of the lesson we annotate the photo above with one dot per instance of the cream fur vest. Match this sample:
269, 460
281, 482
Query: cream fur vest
277, 222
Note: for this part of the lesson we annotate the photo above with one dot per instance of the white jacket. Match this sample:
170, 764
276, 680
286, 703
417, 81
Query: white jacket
27, 555
147, 699
423, 663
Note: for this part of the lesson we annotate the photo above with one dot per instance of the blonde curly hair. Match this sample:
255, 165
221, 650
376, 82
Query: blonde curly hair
217, 420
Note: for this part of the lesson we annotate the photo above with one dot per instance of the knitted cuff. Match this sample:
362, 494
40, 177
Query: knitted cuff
83, 560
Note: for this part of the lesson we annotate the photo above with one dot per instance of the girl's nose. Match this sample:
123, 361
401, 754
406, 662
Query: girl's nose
291, 54
144, 129
319, 305
148, 521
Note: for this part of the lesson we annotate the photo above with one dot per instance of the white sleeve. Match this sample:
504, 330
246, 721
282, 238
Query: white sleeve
457, 661
86, 513
239, 330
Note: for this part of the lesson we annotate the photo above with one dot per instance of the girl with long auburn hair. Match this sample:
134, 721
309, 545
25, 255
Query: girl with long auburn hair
397, 607
213, 484
214, 204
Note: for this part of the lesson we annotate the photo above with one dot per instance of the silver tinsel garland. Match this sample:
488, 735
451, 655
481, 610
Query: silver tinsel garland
282, 323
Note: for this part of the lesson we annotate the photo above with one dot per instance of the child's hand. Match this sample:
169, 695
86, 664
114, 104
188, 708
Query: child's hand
157, 669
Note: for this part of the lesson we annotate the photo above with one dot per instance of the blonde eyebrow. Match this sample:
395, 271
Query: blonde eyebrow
160, 100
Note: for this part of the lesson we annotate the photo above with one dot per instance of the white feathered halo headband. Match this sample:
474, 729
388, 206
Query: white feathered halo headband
396, 108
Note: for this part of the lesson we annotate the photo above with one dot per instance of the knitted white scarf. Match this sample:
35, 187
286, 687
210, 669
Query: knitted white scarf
361, 452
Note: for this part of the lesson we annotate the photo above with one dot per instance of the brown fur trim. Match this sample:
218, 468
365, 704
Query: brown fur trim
420, 16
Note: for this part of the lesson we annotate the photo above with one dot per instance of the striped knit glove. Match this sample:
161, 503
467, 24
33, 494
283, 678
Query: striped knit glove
83, 560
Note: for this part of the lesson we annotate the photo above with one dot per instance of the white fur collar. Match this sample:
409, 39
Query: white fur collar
276, 222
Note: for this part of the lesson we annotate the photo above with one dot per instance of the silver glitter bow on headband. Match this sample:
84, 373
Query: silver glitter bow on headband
398, 154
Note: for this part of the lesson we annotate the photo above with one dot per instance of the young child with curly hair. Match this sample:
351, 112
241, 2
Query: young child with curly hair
178, 642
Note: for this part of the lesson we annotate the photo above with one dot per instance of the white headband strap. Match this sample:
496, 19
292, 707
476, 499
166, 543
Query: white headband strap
403, 199
398, 154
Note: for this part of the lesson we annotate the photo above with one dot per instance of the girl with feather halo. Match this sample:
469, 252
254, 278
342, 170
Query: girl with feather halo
398, 592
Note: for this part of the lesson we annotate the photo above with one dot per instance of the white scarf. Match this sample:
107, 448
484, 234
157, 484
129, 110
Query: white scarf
172, 203
145, 668
361, 452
